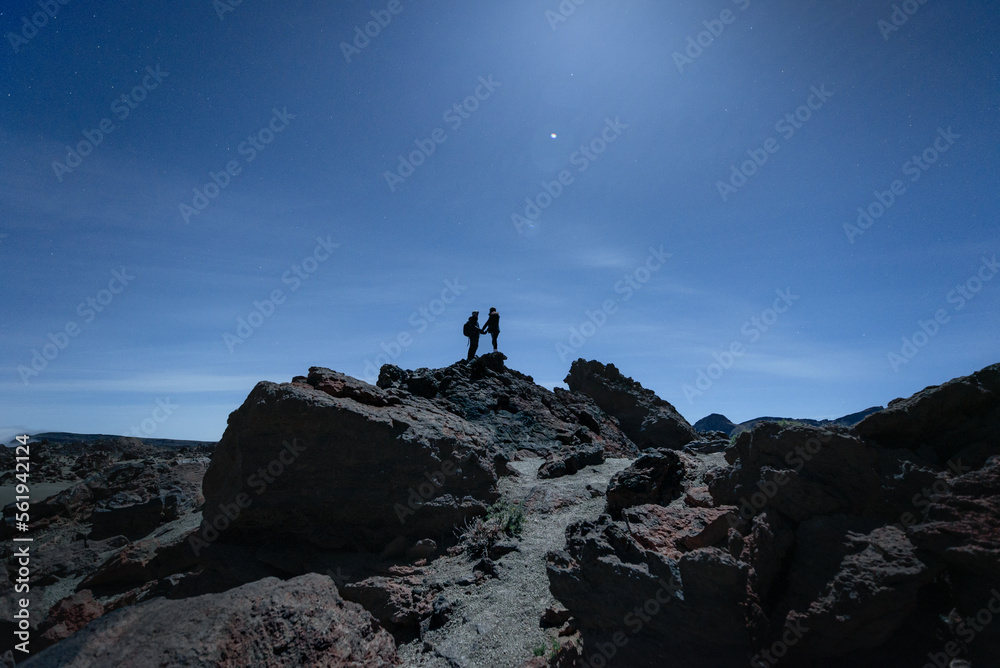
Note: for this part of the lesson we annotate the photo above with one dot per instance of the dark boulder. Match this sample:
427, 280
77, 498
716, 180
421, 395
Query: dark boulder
339, 463
298, 622
571, 461
655, 477
959, 419
645, 418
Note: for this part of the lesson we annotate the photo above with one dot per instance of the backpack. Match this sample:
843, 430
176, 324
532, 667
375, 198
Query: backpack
469, 329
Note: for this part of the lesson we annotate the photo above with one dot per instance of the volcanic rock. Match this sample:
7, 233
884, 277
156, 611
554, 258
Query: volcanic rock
303, 621
655, 477
801, 471
568, 463
653, 608
340, 463
959, 419
509, 405
648, 420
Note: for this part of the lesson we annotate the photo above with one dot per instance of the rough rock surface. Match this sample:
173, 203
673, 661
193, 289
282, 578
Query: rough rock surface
655, 477
648, 420
804, 545
821, 545
509, 405
339, 463
958, 419
303, 621
568, 463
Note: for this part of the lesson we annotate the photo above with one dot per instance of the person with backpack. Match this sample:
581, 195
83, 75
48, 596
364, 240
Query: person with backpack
471, 330
492, 326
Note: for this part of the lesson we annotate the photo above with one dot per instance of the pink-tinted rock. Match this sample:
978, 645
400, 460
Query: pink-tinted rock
298, 622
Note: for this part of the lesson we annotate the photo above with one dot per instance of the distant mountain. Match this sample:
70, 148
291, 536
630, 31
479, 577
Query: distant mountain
63, 437
717, 422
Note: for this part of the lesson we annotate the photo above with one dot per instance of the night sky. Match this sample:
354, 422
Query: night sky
784, 208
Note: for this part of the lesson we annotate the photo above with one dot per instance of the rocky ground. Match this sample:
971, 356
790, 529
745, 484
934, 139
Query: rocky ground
467, 517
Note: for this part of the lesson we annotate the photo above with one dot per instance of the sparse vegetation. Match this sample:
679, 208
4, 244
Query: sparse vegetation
503, 519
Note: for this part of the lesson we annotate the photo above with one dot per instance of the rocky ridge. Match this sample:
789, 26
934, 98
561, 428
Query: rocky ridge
419, 522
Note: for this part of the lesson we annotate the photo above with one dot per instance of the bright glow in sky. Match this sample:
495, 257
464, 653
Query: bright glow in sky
753, 208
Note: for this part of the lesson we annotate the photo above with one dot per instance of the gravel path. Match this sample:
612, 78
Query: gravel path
495, 623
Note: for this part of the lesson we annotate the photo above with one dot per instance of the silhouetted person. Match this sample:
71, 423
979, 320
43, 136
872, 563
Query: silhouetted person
471, 330
492, 326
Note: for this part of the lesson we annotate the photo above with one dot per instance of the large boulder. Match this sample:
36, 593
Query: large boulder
645, 418
337, 463
643, 604
655, 477
799, 470
959, 419
298, 622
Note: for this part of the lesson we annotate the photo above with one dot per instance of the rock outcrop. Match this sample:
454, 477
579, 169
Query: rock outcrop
332, 461
648, 420
303, 621
812, 545
957, 420
819, 545
519, 414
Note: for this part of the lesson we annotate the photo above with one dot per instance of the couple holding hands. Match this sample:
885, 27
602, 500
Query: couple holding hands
473, 330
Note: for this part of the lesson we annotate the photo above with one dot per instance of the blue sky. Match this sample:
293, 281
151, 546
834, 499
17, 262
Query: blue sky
617, 190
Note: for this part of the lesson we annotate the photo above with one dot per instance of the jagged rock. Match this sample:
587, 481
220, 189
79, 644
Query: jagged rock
648, 420
655, 477
568, 463
959, 419
68, 616
395, 602
962, 525
710, 443
509, 405
851, 584
344, 464
302, 621
643, 607
801, 471
132, 520
678, 529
